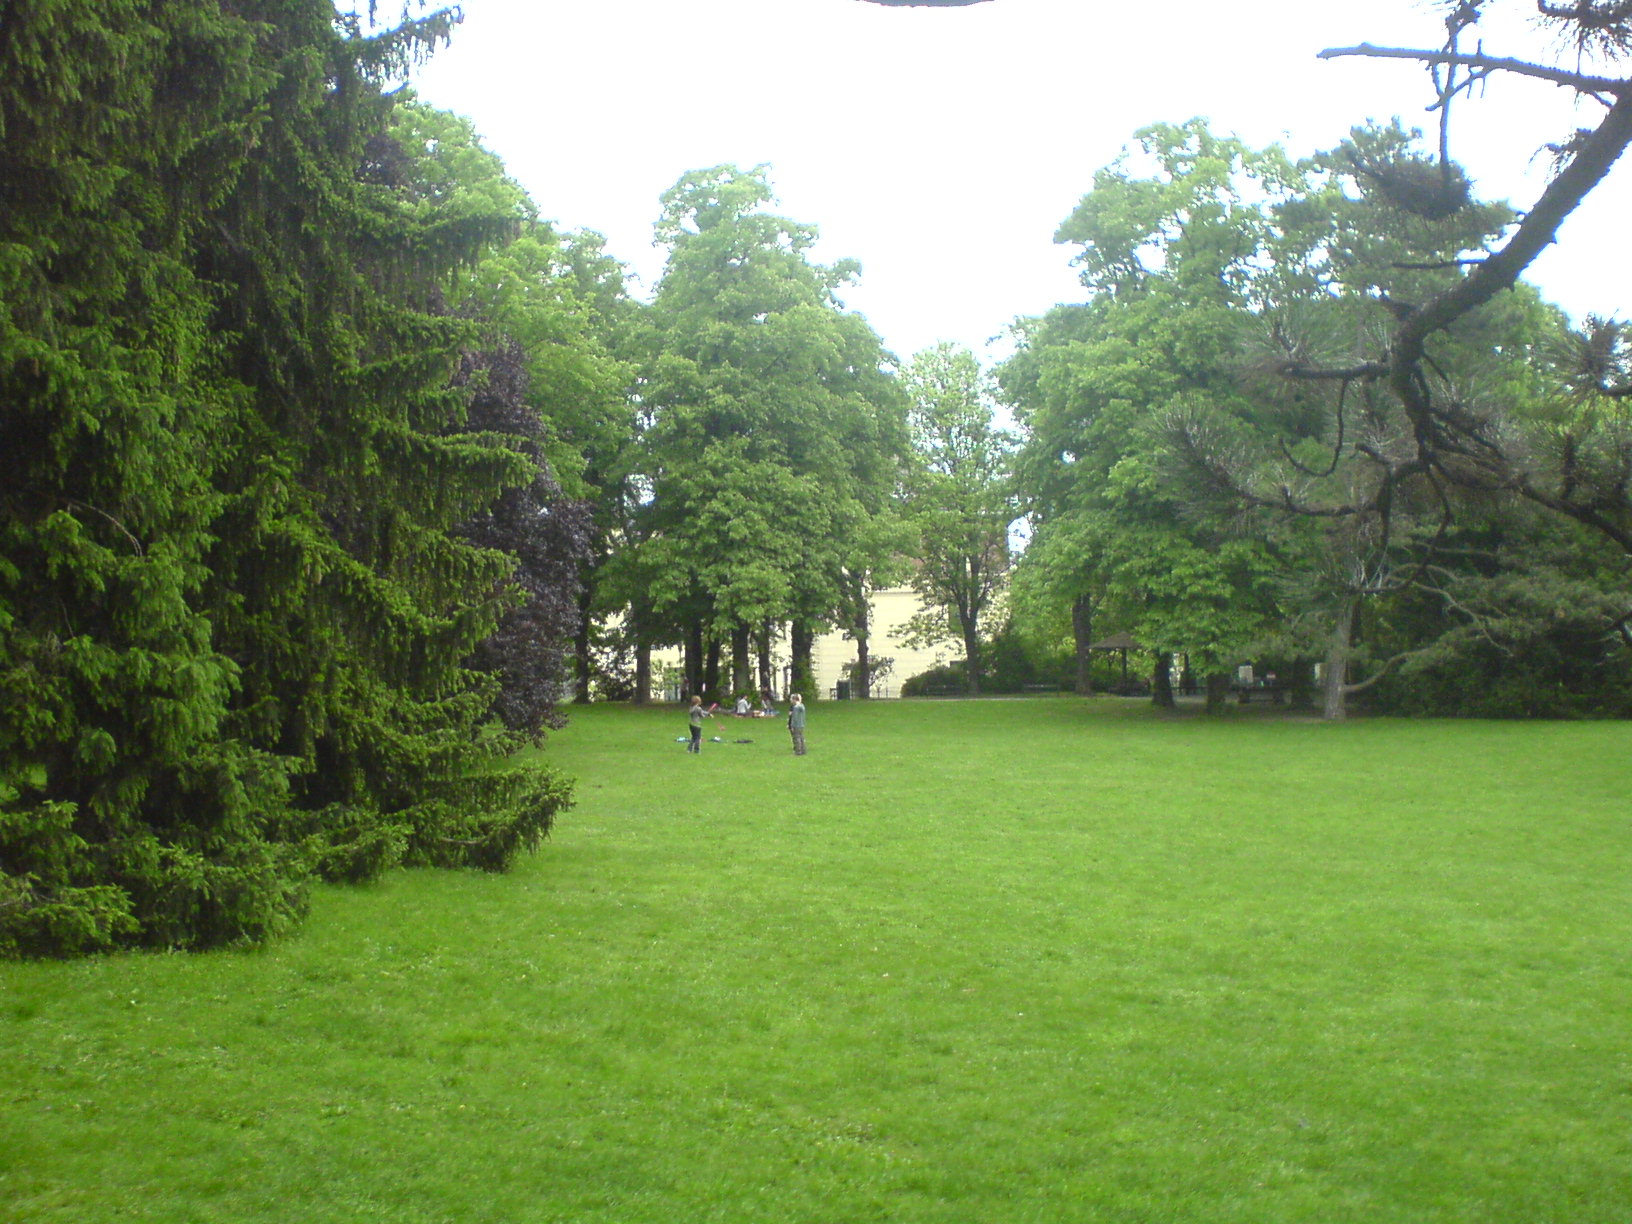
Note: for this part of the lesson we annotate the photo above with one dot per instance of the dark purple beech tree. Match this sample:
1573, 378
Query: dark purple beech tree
548, 534
550, 310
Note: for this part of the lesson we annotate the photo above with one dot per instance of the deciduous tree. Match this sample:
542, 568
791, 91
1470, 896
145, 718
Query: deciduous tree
959, 497
1171, 239
772, 429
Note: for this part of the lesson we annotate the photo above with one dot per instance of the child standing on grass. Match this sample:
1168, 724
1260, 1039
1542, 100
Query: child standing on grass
697, 714
796, 724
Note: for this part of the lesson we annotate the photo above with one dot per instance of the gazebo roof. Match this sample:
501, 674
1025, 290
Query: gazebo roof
1117, 641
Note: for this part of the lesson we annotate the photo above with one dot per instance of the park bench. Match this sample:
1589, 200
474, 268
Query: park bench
1275, 693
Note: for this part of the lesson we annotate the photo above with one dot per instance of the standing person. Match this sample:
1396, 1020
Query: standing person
796, 724
696, 715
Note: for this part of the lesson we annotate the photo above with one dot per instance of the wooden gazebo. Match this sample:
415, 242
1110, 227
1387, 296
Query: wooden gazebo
1121, 643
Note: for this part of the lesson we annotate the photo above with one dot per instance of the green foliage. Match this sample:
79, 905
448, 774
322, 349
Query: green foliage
938, 681
772, 430
1522, 617
1568, 672
1010, 664
557, 297
122, 803
1195, 483
958, 498
1174, 250
234, 608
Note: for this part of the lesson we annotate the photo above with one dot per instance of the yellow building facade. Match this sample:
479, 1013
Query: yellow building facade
891, 609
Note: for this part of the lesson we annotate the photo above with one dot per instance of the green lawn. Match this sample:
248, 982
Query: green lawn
1010, 961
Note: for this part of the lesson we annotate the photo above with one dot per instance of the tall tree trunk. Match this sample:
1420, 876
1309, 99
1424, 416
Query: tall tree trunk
711, 668
1335, 672
1082, 629
803, 642
971, 654
762, 644
1161, 681
581, 664
742, 677
643, 673
694, 660
1218, 691
862, 682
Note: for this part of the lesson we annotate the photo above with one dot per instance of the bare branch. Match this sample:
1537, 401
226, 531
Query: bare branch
1203, 461
1597, 153
1588, 514
1447, 516
1487, 64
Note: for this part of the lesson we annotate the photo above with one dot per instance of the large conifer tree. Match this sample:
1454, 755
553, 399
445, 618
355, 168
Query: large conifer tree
233, 609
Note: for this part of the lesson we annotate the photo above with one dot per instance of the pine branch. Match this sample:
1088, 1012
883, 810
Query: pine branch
1438, 265
1388, 666
1365, 372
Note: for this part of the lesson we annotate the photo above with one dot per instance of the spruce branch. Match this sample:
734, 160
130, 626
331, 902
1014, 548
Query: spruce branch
75, 504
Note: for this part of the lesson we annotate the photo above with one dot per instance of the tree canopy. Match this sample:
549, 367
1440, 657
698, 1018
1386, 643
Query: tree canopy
331, 464
959, 498
1328, 366
770, 426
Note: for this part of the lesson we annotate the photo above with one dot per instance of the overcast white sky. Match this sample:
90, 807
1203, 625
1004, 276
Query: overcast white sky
942, 147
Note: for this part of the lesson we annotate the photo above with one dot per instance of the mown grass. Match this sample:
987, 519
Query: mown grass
1043, 961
